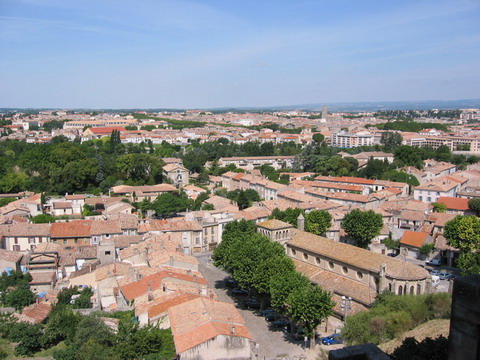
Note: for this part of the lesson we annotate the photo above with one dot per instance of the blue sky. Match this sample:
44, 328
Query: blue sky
200, 54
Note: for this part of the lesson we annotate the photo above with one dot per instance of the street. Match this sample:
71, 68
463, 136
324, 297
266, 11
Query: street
272, 343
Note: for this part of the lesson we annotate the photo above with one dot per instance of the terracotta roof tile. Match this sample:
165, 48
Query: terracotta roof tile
414, 239
77, 228
154, 282
454, 203
357, 257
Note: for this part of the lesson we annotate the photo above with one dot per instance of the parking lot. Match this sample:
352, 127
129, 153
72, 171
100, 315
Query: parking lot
273, 342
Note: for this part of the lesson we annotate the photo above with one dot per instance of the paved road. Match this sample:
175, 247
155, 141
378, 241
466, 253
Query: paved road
273, 343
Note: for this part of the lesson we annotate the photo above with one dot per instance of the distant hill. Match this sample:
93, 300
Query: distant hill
379, 105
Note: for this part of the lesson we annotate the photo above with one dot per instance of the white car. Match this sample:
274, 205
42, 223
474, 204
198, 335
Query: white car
433, 262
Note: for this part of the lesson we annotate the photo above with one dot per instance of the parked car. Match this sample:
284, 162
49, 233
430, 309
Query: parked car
271, 317
239, 292
435, 272
280, 323
433, 262
443, 275
392, 254
266, 312
231, 283
252, 303
332, 339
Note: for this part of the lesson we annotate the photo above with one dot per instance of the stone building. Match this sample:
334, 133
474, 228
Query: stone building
177, 174
347, 270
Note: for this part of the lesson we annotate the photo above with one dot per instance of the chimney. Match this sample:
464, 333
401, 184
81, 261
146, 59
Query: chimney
301, 222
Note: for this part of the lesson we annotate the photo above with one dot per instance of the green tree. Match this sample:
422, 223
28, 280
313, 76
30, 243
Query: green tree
474, 205
390, 140
408, 156
443, 153
29, 341
290, 215
62, 325
133, 342
14, 181
318, 222
19, 298
439, 207
309, 305
318, 137
169, 204
427, 249
463, 233
362, 226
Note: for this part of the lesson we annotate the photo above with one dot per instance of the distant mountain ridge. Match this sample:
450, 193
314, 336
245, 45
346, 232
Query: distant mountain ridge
364, 106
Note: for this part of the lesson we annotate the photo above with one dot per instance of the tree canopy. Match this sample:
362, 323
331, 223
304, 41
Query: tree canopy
362, 226
463, 233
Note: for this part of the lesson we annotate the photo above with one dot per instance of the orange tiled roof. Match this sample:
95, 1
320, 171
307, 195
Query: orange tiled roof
413, 238
135, 289
78, 228
454, 203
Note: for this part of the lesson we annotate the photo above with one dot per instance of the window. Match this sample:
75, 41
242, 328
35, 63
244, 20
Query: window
359, 275
16, 247
317, 260
107, 236
344, 269
294, 252
31, 240
305, 256
330, 265
107, 253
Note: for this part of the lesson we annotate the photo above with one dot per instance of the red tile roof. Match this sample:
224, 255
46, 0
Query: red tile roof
413, 238
138, 288
454, 203
79, 228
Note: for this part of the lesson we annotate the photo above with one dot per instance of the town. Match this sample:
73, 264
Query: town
212, 235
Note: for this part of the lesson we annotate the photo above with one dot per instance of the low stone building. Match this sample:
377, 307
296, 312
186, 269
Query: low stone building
209, 329
347, 270
178, 174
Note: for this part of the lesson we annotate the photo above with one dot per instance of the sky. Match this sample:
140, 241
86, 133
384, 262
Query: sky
236, 53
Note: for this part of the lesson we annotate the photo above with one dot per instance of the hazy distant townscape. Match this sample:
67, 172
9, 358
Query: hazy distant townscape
239, 180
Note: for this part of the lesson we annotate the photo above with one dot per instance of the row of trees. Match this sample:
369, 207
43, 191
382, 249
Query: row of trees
261, 265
